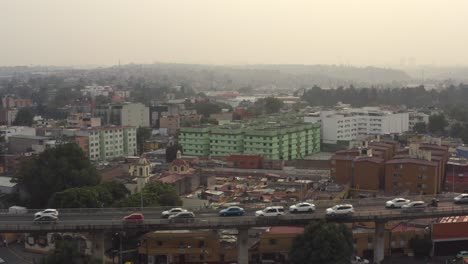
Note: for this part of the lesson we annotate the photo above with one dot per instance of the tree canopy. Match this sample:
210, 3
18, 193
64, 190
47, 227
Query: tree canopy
153, 194
266, 106
55, 170
143, 134
24, 117
171, 152
207, 108
102, 195
420, 128
437, 124
323, 242
66, 251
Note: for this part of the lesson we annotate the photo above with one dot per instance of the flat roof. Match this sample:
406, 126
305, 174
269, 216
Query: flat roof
29, 137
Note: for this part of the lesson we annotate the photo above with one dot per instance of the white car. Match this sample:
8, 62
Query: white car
47, 212
270, 211
173, 211
416, 206
359, 260
462, 198
397, 203
302, 207
340, 210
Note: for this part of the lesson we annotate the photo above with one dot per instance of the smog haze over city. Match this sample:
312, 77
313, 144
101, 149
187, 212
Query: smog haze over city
362, 33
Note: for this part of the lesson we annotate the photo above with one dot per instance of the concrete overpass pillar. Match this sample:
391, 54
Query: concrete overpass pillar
243, 246
379, 242
99, 246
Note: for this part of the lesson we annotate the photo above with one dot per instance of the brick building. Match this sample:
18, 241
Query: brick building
245, 161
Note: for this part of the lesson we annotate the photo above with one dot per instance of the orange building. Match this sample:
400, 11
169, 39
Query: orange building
275, 244
369, 173
171, 123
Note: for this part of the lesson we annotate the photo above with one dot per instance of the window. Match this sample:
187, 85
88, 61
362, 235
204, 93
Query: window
397, 175
398, 166
422, 177
273, 241
422, 186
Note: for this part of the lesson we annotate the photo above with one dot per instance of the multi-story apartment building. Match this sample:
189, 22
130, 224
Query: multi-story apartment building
419, 169
282, 140
417, 117
124, 114
105, 143
347, 124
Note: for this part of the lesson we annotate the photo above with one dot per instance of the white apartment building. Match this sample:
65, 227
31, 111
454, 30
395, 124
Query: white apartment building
417, 117
347, 124
107, 143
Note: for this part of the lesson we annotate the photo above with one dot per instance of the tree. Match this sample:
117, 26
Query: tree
102, 195
437, 123
420, 128
207, 108
171, 152
273, 105
153, 194
24, 117
66, 251
84, 197
55, 170
143, 134
323, 242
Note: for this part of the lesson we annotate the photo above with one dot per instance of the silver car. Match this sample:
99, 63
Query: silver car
416, 206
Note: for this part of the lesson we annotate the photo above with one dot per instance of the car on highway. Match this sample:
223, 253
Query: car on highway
232, 211
340, 210
270, 211
462, 198
2, 261
396, 203
134, 218
415, 206
182, 217
173, 211
45, 219
462, 254
302, 208
359, 260
52, 212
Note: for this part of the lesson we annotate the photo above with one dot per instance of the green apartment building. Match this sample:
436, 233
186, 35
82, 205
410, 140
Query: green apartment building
287, 138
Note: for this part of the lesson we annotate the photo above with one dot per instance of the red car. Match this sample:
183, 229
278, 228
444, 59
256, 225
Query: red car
134, 218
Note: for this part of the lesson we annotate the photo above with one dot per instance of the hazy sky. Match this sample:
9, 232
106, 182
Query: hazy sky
359, 32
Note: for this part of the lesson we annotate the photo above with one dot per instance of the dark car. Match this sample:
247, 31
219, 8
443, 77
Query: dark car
232, 211
45, 219
182, 217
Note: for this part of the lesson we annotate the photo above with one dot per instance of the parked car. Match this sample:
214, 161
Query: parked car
182, 217
134, 218
415, 206
340, 210
359, 260
232, 211
173, 211
270, 211
45, 219
52, 212
396, 203
462, 198
302, 207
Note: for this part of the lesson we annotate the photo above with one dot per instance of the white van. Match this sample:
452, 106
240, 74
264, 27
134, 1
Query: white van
17, 210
